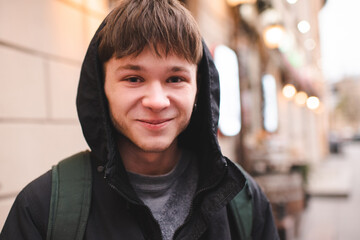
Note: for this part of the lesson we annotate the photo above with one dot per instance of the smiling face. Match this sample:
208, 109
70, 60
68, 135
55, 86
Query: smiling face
151, 98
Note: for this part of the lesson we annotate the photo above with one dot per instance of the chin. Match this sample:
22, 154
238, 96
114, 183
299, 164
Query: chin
155, 145
154, 148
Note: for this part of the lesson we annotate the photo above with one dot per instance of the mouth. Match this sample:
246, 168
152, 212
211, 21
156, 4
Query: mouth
154, 123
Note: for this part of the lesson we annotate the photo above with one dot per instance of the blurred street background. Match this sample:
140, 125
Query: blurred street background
290, 99
333, 211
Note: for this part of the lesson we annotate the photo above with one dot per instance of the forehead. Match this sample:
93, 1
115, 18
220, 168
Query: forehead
150, 59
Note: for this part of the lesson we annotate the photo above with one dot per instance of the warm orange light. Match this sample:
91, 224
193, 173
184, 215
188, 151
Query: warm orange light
313, 103
234, 3
273, 35
289, 91
300, 98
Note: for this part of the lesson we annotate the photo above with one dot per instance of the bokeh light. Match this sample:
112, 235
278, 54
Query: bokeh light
313, 102
300, 98
304, 26
273, 36
289, 91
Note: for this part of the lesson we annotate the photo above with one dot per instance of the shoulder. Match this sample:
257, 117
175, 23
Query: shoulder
259, 199
35, 197
39, 189
263, 220
263, 223
33, 202
29, 214
255, 190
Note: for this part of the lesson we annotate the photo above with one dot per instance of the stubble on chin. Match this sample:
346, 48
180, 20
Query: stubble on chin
125, 143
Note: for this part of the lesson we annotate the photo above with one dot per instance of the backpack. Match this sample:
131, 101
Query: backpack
71, 199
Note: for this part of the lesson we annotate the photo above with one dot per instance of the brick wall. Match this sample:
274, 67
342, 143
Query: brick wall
42, 44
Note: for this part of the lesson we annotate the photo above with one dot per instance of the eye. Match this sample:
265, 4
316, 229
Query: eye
175, 79
133, 79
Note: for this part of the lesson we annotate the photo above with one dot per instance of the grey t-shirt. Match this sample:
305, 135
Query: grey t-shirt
169, 196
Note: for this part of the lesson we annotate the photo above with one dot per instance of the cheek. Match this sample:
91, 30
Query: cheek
186, 101
123, 104
112, 101
109, 93
113, 98
194, 95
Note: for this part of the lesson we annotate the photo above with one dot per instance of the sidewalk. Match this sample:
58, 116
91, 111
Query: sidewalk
331, 178
333, 211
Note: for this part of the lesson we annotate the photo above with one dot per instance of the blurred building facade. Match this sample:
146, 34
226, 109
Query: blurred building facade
293, 59
282, 93
345, 108
41, 50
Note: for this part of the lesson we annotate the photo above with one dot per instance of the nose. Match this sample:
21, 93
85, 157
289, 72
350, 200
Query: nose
155, 97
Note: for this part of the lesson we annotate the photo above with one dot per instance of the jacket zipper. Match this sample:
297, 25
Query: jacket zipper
192, 204
135, 203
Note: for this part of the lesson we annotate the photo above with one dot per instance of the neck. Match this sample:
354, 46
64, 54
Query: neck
143, 162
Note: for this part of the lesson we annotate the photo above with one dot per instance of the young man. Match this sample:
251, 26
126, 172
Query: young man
148, 102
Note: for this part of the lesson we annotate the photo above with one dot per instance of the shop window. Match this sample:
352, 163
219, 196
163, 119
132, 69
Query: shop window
270, 108
230, 115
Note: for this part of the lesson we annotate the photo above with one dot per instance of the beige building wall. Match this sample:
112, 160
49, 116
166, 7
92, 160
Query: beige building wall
217, 26
42, 44
215, 20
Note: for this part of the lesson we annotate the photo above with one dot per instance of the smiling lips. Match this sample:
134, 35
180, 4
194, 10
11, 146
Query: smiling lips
154, 124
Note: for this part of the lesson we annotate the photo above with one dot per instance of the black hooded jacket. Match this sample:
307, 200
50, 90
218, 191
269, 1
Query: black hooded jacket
116, 212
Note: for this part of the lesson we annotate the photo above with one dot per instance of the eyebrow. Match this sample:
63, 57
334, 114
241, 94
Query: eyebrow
178, 69
130, 67
139, 68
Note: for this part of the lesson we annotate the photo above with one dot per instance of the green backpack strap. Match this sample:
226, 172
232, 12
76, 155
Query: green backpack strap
70, 198
242, 209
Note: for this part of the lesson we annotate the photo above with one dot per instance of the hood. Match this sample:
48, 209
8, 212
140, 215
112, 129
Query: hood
200, 136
